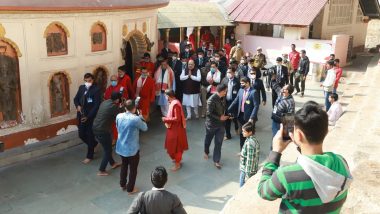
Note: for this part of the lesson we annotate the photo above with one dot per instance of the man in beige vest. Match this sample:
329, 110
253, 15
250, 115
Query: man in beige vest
237, 51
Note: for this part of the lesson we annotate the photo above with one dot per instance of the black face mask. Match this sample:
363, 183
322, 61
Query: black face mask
242, 86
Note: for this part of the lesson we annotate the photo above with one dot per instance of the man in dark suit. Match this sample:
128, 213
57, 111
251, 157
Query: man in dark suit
233, 86
258, 85
282, 79
222, 67
157, 200
166, 50
203, 48
187, 53
245, 106
201, 60
87, 102
176, 66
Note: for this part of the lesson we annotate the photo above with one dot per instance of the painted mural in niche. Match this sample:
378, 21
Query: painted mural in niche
59, 94
98, 38
10, 97
100, 76
56, 41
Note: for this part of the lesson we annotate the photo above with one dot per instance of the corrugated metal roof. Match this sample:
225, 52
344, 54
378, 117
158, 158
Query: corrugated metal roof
62, 5
282, 12
191, 14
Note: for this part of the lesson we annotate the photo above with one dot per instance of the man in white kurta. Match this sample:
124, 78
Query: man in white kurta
191, 83
335, 110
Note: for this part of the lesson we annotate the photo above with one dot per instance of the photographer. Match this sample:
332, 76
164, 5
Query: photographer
128, 126
284, 104
319, 181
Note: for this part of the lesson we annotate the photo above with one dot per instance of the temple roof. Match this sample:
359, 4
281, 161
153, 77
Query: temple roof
78, 5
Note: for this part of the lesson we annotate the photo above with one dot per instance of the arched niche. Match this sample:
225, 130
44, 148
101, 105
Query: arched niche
56, 39
59, 93
98, 35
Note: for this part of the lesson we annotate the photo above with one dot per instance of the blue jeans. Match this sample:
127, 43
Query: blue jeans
242, 178
218, 133
105, 140
327, 102
275, 128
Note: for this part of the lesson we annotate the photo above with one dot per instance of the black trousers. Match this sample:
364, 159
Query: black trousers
298, 80
242, 122
131, 162
227, 124
291, 77
274, 98
106, 141
218, 133
87, 136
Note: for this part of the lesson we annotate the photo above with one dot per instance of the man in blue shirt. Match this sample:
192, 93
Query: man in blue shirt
128, 126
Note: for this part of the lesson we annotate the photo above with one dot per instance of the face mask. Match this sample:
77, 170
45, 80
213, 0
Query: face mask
183, 63
217, 59
242, 61
200, 56
187, 50
229, 76
253, 76
232, 37
146, 60
88, 84
114, 83
174, 58
239, 45
213, 70
144, 75
242, 86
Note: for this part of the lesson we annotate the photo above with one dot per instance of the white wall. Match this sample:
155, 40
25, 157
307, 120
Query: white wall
27, 32
358, 30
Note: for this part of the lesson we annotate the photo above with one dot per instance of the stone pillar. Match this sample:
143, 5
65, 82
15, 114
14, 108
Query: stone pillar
222, 36
167, 33
198, 37
181, 34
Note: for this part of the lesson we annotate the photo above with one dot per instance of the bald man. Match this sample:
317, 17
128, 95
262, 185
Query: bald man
191, 83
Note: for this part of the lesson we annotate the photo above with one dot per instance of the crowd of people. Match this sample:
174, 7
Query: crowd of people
223, 86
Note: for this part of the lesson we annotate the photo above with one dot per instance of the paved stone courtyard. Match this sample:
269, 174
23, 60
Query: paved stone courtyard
60, 183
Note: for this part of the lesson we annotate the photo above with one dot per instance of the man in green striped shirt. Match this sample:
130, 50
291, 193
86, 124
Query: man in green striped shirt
319, 181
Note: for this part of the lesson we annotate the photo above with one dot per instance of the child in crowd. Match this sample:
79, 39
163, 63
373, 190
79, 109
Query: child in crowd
249, 160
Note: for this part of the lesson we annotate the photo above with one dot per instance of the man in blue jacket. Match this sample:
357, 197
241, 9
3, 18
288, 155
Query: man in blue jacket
245, 106
87, 102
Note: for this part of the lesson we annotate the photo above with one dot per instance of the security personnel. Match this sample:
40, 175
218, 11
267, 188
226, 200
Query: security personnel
87, 102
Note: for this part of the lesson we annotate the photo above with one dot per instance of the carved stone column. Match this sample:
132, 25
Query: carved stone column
167, 33
222, 36
198, 37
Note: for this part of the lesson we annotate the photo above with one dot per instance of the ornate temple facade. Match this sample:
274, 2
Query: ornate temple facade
46, 49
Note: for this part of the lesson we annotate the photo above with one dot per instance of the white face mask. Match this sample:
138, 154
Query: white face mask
229, 76
242, 61
174, 58
253, 76
239, 45
200, 56
88, 84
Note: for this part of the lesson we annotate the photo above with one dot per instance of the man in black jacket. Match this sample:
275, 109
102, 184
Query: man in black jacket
157, 200
177, 66
102, 129
233, 86
216, 108
87, 101
201, 60
281, 73
302, 72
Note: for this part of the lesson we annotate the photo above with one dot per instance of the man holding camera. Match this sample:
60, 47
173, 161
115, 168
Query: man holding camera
284, 104
319, 181
128, 126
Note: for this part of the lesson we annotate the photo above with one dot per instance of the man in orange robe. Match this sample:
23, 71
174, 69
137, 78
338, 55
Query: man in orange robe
148, 64
145, 89
115, 87
125, 82
176, 138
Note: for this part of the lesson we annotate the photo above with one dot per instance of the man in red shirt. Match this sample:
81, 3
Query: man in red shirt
125, 82
294, 58
145, 89
339, 72
115, 87
148, 64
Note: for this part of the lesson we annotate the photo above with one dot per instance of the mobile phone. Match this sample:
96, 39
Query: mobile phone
288, 124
